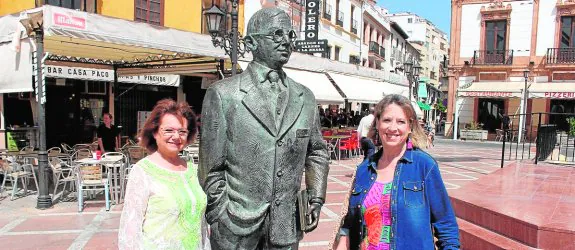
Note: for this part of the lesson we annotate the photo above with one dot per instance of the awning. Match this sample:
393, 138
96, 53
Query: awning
16, 69
422, 90
317, 82
365, 90
491, 89
552, 90
136, 48
417, 109
423, 106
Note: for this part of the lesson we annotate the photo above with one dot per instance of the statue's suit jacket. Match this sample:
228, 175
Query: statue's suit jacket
249, 166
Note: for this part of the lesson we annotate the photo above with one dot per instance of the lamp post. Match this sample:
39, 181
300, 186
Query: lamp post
523, 115
230, 41
33, 24
408, 66
416, 69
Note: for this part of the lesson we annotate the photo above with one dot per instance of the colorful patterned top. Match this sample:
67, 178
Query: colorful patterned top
377, 213
163, 209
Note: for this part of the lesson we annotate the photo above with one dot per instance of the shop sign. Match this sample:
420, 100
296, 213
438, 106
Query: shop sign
311, 44
107, 75
560, 95
486, 94
70, 21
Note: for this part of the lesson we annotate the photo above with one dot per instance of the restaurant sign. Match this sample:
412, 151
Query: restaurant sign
554, 95
311, 43
107, 75
488, 94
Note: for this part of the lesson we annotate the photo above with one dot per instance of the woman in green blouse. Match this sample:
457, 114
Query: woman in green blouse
164, 205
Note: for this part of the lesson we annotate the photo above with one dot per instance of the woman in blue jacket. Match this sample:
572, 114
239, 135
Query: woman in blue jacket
398, 199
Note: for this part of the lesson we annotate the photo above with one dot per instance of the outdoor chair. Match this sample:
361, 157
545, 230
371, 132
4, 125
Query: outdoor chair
81, 154
135, 153
54, 151
82, 146
62, 174
499, 135
90, 178
94, 146
27, 149
115, 174
18, 172
67, 149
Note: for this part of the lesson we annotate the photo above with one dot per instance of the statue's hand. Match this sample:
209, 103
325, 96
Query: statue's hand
314, 211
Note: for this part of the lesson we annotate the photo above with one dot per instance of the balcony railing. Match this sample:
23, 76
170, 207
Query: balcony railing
561, 56
374, 47
353, 26
339, 19
382, 51
354, 60
493, 57
327, 12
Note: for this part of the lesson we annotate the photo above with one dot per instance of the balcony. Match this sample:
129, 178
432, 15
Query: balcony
354, 26
339, 19
492, 57
561, 56
374, 47
327, 12
382, 51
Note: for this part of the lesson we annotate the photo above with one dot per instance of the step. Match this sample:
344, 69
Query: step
475, 237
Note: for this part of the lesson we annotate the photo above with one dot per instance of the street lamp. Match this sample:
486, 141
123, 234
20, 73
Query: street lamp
523, 114
408, 66
416, 69
229, 41
34, 26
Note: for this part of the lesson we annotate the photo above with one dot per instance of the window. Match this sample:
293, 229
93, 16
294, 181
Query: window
337, 50
410, 20
83, 5
352, 20
442, 46
495, 35
567, 32
150, 11
354, 59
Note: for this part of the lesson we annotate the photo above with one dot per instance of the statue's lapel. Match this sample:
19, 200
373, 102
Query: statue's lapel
256, 102
294, 106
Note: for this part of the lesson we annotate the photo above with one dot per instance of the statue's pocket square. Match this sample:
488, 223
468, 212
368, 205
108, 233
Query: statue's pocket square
302, 133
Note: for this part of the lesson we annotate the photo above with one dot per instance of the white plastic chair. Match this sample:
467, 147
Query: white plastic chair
89, 178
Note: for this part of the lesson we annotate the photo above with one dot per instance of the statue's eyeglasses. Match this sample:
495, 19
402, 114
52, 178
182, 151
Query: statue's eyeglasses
279, 35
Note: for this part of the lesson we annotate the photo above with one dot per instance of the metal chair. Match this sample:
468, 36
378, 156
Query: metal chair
90, 178
62, 174
18, 172
81, 154
67, 149
135, 153
115, 174
499, 135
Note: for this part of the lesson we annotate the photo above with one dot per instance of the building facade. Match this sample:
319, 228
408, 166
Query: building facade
500, 42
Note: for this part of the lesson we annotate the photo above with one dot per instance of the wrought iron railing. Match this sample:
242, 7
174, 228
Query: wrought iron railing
382, 51
374, 47
353, 26
561, 55
493, 57
339, 18
327, 12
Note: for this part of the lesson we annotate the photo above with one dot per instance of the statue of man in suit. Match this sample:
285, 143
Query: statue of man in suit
260, 130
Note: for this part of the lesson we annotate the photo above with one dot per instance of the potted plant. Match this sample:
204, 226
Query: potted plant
474, 131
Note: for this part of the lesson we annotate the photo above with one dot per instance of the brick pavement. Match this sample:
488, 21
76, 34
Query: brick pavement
62, 227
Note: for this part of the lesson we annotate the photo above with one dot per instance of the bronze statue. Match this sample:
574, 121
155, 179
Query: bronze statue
260, 130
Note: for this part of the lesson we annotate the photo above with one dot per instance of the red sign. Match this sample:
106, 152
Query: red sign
62, 19
486, 93
560, 94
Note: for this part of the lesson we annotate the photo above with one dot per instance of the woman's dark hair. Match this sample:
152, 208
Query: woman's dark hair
166, 106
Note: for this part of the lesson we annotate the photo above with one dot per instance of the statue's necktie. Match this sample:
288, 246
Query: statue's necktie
274, 78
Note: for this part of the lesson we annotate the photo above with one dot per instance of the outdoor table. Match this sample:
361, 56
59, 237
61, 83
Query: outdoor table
115, 171
337, 140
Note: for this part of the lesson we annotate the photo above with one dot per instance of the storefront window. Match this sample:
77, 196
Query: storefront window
561, 106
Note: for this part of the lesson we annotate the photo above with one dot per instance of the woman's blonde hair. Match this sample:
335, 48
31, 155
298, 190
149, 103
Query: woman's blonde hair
418, 137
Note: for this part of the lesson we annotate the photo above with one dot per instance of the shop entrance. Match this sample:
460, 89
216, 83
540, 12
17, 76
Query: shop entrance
489, 113
561, 106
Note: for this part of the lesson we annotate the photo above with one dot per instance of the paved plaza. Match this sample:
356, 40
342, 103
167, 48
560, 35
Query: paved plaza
62, 227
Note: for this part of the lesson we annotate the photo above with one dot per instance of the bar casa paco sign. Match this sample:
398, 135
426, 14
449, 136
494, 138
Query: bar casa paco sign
107, 75
311, 44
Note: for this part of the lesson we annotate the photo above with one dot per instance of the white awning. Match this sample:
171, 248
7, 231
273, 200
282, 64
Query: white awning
491, 89
318, 83
552, 90
16, 68
365, 90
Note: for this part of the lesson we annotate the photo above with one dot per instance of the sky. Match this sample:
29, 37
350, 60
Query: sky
436, 11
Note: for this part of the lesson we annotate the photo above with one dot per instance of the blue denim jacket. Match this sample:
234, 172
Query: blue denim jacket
419, 204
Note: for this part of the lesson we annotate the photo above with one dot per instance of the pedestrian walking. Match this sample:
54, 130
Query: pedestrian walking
165, 205
367, 146
397, 198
